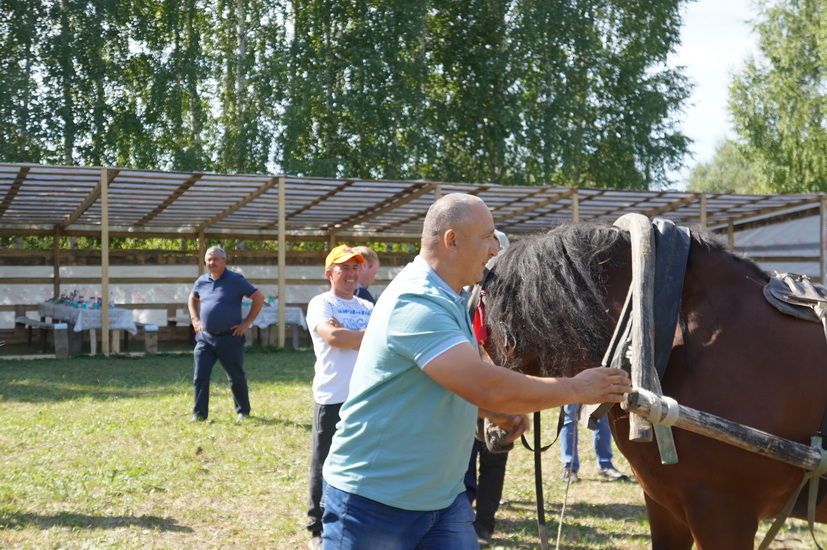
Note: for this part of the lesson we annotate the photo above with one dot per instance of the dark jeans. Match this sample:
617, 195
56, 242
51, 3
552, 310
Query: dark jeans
489, 486
229, 350
325, 418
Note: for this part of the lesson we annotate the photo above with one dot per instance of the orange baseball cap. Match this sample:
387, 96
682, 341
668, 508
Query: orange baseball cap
341, 254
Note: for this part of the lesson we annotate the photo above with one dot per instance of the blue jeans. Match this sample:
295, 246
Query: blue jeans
568, 440
229, 350
352, 522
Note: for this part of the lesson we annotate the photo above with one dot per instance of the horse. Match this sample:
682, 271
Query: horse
551, 302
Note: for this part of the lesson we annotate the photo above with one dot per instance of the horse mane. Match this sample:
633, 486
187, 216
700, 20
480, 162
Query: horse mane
545, 295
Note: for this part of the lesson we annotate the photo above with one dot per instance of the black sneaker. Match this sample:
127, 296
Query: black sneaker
197, 418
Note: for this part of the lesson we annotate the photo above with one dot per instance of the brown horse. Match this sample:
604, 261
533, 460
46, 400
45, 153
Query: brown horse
552, 302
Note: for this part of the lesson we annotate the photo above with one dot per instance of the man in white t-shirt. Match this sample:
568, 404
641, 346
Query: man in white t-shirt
337, 320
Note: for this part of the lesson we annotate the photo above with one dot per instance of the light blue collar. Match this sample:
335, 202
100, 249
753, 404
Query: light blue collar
420, 263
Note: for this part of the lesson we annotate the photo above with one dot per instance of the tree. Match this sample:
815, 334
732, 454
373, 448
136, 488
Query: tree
779, 101
508, 91
597, 101
729, 171
21, 107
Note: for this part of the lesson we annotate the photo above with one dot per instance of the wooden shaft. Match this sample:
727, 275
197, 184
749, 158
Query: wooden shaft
643, 402
643, 347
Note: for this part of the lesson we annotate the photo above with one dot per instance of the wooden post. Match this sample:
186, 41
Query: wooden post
661, 410
575, 206
56, 265
61, 338
116, 340
151, 339
703, 210
730, 236
282, 258
437, 192
202, 251
104, 262
93, 340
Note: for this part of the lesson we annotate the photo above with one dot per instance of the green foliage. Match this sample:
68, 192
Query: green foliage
729, 171
507, 91
779, 100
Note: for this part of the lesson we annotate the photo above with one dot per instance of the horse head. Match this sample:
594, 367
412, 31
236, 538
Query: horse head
550, 302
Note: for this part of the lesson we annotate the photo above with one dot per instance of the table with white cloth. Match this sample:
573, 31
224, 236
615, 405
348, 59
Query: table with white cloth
268, 319
90, 319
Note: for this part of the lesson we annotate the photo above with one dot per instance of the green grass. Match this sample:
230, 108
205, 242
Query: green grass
100, 453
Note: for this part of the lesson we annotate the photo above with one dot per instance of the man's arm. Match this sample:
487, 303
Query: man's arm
258, 301
194, 305
494, 388
338, 336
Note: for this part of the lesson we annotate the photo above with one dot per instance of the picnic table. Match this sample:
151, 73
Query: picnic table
269, 317
90, 319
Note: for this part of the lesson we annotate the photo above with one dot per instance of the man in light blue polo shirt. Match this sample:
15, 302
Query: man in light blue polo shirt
394, 474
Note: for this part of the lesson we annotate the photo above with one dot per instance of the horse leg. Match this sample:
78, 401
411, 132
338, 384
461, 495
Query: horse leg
718, 522
668, 532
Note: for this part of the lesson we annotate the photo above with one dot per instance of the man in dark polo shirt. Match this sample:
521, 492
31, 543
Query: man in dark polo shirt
215, 310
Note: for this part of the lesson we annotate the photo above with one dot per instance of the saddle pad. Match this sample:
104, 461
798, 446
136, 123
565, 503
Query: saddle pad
795, 295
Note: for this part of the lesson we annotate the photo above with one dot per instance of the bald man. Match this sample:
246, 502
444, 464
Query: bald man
394, 474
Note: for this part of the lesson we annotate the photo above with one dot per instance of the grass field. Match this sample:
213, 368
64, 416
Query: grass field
100, 453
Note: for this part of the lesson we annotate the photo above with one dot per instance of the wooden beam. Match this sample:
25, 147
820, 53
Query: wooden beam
631, 208
90, 199
703, 210
282, 260
575, 206
380, 229
14, 189
769, 210
330, 194
202, 251
498, 220
180, 190
258, 192
656, 408
670, 207
396, 200
56, 265
104, 194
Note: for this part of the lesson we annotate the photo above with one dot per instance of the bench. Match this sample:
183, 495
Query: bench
150, 337
60, 337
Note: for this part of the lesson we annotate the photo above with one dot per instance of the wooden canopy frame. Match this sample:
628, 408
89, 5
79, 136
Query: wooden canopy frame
123, 202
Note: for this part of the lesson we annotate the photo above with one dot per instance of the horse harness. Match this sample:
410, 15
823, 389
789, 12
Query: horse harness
790, 294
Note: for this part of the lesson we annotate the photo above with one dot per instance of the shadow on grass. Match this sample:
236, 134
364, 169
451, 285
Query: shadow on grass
40, 380
85, 521
575, 535
267, 421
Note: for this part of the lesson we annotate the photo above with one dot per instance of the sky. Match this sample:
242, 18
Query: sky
716, 39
